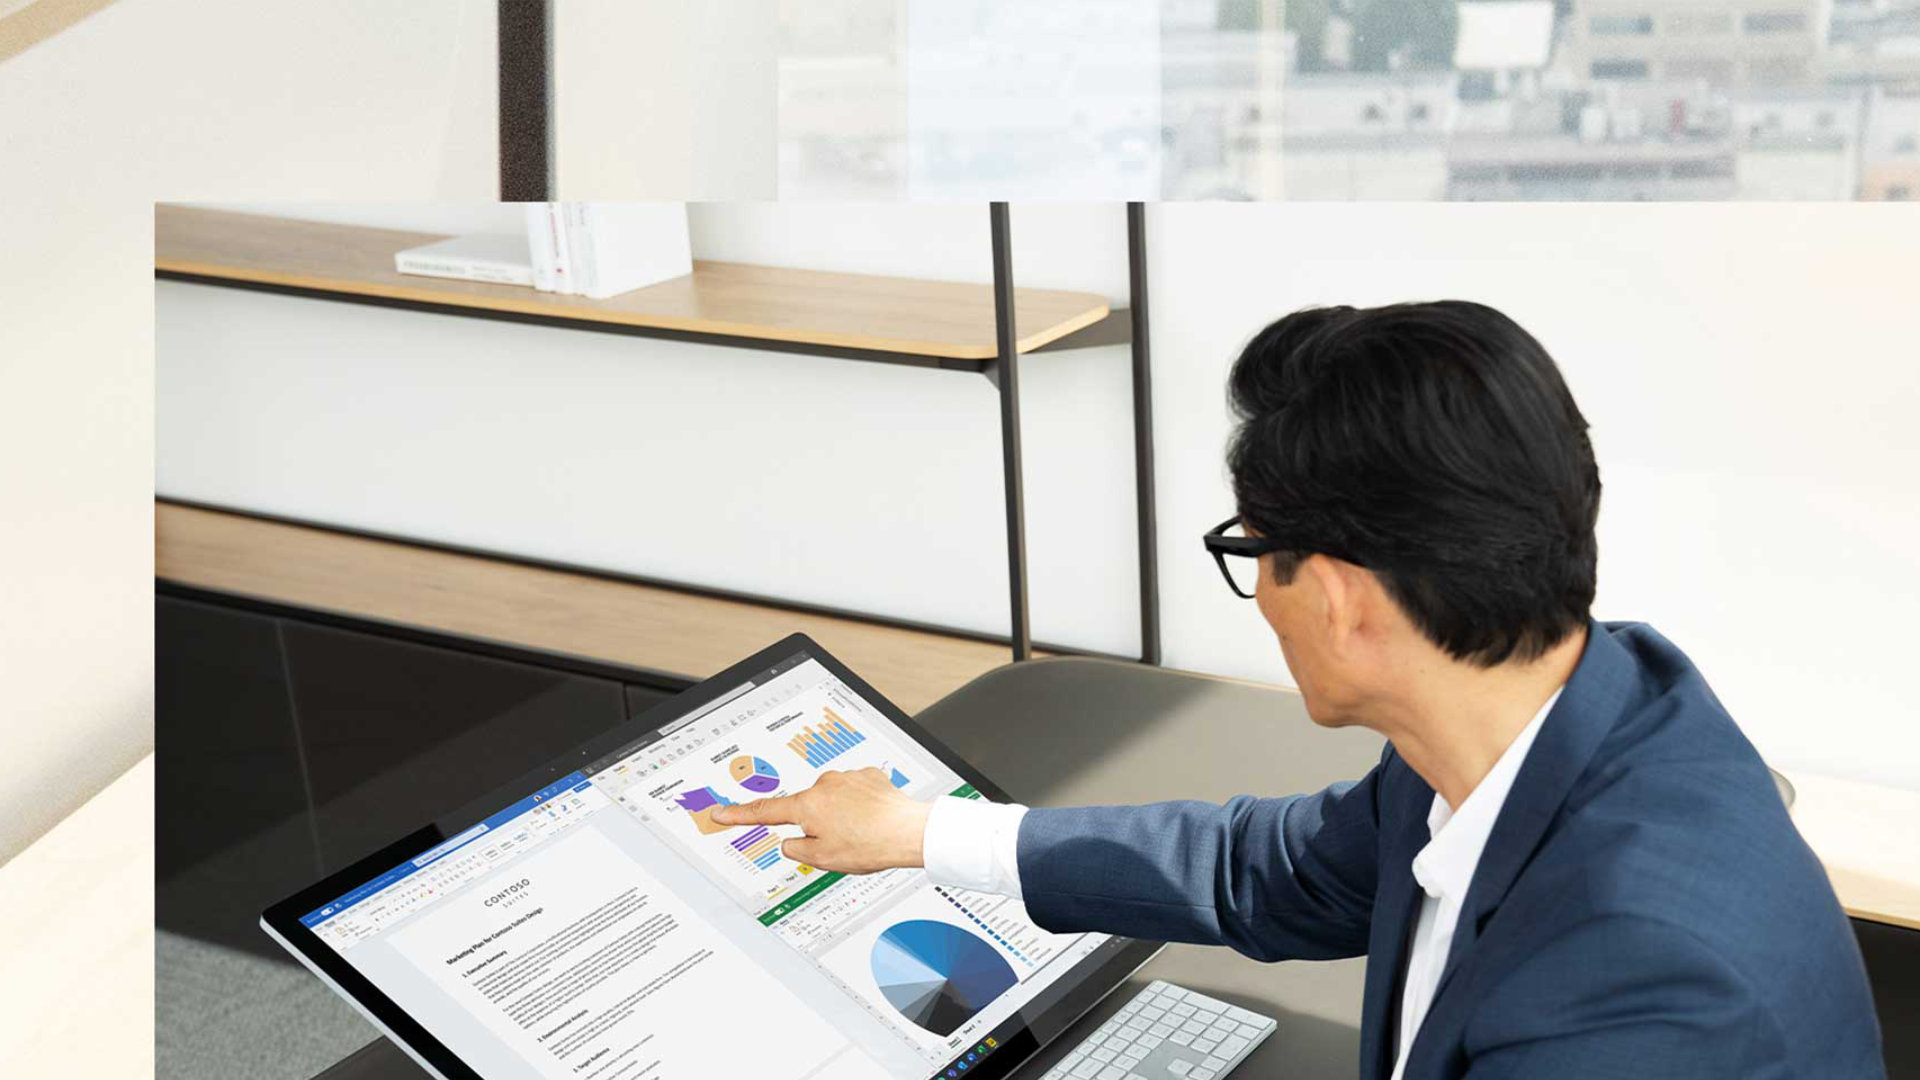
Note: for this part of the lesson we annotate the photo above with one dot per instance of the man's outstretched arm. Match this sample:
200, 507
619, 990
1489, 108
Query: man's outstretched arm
1273, 878
1285, 878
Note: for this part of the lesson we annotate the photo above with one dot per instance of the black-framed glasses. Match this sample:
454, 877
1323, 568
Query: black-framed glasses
1230, 538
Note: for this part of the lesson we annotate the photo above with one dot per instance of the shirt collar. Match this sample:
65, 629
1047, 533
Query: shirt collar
1444, 867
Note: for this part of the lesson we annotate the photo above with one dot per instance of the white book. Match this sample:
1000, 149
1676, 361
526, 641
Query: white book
481, 257
621, 246
541, 247
563, 274
579, 247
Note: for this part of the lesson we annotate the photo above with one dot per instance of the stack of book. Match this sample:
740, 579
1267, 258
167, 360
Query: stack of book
594, 249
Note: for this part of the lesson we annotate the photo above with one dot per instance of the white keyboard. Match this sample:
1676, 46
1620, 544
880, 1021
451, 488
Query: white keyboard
1166, 1033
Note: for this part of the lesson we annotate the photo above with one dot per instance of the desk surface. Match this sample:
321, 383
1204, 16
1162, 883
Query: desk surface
769, 303
1865, 835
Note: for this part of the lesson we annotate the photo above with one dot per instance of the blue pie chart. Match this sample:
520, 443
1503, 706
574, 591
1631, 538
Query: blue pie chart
937, 974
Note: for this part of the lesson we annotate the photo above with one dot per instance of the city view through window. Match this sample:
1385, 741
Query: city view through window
1353, 99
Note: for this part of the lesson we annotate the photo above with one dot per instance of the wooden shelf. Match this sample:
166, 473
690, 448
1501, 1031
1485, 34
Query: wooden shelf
662, 629
776, 305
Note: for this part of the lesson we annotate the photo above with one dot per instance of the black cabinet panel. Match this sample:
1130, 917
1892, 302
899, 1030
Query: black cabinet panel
1892, 954
232, 832
228, 764
397, 733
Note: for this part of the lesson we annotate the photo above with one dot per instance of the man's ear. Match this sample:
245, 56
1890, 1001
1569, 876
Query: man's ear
1341, 602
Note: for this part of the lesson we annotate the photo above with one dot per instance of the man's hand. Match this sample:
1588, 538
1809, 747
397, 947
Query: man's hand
856, 822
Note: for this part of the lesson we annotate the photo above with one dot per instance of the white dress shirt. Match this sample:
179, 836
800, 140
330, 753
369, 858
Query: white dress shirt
974, 844
1444, 869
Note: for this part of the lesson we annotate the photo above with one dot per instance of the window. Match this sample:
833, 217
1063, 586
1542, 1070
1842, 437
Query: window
1709, 69
1620, 25
1711, 168
1256, 112
1699, 22
1777, 70
1774, 22
1618, 69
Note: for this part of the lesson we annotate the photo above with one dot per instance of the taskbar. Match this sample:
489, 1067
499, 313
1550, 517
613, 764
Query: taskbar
1014, 1042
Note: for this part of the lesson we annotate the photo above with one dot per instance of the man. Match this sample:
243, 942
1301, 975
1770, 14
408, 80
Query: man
1568, 862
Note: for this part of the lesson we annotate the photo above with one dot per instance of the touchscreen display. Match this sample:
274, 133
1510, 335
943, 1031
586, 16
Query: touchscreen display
605, 927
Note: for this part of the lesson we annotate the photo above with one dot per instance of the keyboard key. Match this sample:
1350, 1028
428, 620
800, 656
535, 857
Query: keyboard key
1193, 1027
1232, 1045
1201, 1074
1248, 1030
1175, 992
1161, 1030
1105, 1053
1150, 1040
1180, 1038
1207, 1018
1205, 1046
1086, 1069
1179, 1068
1153, 1013
1214, 1063
1183, 1009
1112, 1072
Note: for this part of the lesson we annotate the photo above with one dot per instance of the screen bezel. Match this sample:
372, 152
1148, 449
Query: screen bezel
1066, 998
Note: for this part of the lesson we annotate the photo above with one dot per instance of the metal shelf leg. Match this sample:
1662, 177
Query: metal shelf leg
1007, 376
1143, 437
525, 46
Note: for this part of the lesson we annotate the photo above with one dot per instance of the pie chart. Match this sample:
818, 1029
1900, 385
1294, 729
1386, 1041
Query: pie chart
937, 974
755, 774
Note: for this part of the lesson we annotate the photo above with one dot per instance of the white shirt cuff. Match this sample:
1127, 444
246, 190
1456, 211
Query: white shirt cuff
974, 844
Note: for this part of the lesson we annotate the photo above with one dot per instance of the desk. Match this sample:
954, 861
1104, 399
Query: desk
1079, 730
1865, 836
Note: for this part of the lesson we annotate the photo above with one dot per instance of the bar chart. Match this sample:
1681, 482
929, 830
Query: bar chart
820, 743
758, 847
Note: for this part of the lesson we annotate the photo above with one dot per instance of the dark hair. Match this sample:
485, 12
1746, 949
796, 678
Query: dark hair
1435, 444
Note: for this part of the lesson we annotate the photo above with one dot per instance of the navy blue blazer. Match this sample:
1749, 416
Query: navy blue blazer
1644, 908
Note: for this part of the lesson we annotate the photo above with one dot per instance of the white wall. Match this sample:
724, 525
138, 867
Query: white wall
141, 100
245, 100
677, 100
1747, 372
